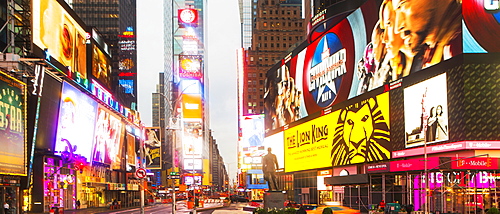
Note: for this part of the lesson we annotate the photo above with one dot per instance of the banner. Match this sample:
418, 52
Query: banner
152, 148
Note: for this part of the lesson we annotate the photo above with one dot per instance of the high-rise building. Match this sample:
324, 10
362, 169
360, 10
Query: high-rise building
116, 22
277, 26
186, 88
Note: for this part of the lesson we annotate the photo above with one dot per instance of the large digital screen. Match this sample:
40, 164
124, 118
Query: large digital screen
108, 140
54, 29
481, 26
152, 147
357, 133
191, 106
75, 127
426, 112
12, 126
252, 131
101, 67
360, 52
192, 139
276, 143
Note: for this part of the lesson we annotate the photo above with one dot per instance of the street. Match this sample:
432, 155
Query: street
167, 208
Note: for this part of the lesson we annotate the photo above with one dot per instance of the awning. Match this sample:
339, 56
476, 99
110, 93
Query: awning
346, 180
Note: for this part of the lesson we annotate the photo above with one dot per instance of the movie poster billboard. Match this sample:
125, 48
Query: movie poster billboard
426, 112
75, 127
358, 133
351, 54
101, 67
57, 31
12, 126
192, 139
107, 147
152, 147
190, 66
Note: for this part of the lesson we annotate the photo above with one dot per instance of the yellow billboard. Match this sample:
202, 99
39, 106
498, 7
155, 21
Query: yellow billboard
357, 133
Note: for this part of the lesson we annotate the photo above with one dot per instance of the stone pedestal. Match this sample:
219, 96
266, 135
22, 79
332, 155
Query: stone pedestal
274, 199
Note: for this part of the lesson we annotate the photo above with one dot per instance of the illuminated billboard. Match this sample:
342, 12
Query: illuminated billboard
192, 139
350, 54
357, 133
12, 126
108, 140
75, 127
101, 67
426, 112
191, 106
252, 131
131, 151
152, 148
276, 143
56, 30
481, 26
190, 66
188, 17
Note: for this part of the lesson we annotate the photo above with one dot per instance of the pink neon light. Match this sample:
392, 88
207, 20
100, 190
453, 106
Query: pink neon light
414, 164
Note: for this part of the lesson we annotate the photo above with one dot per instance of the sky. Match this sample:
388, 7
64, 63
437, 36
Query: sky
223, 39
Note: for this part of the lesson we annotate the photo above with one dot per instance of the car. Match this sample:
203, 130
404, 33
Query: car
335, 208
238, 198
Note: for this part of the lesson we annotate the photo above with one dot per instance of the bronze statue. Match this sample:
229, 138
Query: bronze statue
269, 166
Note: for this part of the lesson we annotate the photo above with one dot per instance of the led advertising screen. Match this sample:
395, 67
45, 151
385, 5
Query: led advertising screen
192, 139
12, 126
356, 134
191, 164
131, 151
54, 29
152, 147
252, 131
426, 112
191, 106
75, 127
481, 26
101, 67
359, 53
190, 66
108, 139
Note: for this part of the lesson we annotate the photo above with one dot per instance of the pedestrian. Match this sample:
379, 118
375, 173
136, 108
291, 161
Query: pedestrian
327, 210
301, 210
78, 204
6, 207
381, 205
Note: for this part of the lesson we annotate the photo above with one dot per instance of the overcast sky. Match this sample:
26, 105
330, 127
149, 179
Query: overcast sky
220, 65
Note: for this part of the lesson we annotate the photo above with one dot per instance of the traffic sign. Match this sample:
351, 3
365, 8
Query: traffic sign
140, 173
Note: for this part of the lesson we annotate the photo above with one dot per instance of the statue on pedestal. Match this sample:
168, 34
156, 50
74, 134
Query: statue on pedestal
269, 166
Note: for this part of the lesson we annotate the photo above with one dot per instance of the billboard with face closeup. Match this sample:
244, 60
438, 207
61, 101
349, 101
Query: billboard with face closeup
107, 147
426, 112
75, 127
56, 30
12, 126
358, 133
352, 53
101, 67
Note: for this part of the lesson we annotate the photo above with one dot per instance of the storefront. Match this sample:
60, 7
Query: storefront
9, 192
58, 184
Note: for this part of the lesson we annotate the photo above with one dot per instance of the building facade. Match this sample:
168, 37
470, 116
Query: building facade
388, 113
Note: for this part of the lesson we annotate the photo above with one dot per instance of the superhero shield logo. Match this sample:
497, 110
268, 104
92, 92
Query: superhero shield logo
327, 69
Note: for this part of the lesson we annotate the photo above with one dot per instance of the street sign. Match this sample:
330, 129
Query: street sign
174, 177
140, 173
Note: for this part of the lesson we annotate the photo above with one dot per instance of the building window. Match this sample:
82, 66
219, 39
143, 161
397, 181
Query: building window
272, 45
265, 38
265, 24
277, 45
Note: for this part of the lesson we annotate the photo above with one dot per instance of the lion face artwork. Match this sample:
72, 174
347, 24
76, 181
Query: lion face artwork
362, 135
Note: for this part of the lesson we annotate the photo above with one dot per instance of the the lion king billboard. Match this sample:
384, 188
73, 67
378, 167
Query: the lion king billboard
358, 133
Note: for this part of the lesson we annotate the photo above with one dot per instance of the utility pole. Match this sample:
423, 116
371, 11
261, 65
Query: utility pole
141, 165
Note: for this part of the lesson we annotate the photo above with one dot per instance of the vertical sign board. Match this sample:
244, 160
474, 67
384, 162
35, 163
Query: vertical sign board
12, 126
152, 148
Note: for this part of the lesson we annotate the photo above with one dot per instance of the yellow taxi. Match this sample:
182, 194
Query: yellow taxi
335, 208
